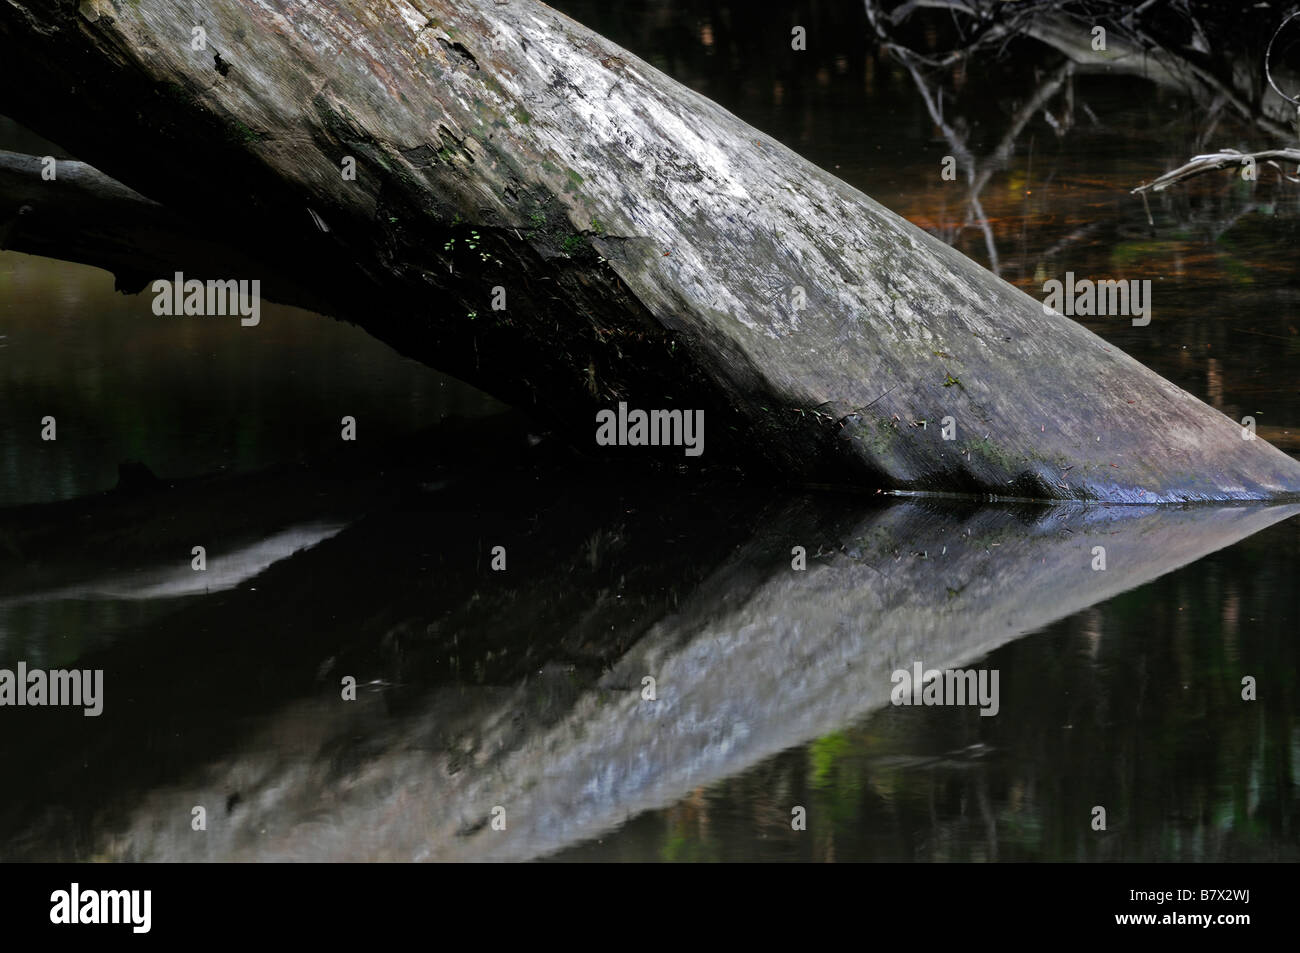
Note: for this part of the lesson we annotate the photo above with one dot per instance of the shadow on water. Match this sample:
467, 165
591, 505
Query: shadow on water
524, 688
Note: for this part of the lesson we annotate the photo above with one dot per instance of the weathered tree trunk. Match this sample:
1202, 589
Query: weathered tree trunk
652, 247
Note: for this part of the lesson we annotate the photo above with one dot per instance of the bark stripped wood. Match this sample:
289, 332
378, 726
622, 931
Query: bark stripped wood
653, 247
1223, 159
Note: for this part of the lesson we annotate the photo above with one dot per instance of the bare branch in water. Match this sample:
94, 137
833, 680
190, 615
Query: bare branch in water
1222, 159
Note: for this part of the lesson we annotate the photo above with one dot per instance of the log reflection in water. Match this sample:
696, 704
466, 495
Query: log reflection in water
749, 657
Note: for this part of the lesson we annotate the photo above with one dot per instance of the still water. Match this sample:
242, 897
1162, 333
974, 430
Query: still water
525, 690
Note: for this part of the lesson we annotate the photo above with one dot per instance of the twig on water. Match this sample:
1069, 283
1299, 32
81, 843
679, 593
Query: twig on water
1213, 161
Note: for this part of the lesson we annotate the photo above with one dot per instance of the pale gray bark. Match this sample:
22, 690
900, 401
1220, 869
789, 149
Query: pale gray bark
650, 242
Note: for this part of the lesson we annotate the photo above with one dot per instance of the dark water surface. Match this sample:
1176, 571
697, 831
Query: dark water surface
523, 690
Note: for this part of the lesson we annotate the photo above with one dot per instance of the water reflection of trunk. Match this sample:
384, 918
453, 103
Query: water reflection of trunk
135, 542
750, 658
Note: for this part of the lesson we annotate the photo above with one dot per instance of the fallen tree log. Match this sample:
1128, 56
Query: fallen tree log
652, 248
